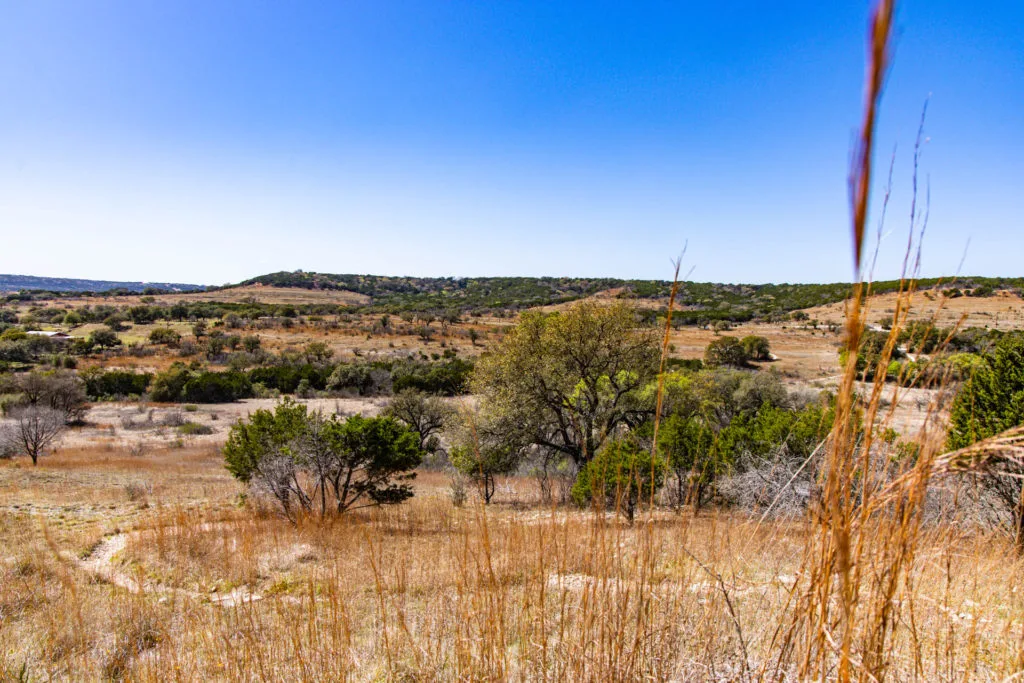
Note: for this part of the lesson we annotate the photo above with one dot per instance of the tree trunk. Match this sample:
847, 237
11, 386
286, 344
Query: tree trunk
1018, 524
488, 488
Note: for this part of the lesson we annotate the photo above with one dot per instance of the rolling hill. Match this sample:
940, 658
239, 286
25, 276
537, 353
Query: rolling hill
697, 300
17, 283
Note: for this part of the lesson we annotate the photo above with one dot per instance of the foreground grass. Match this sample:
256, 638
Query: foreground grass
428, 591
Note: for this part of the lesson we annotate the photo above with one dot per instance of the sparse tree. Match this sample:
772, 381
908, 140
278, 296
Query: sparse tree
318, 353
215, 344
105, 339
34, 430
483, 451
484, 462
115, 322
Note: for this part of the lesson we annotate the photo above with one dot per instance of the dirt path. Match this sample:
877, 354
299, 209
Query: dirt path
101, 562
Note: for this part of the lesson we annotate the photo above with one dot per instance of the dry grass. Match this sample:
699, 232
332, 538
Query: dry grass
152, 567
428, 591
253, 293
1003, 310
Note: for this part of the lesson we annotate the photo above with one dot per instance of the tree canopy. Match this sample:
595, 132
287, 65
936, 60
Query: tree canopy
567, 381
320, 463
989, 402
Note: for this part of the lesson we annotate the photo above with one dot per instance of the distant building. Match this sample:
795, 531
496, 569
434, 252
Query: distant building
51, 335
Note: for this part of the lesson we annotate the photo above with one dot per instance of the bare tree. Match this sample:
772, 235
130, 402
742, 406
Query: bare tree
33, 431
66, 394
60, 391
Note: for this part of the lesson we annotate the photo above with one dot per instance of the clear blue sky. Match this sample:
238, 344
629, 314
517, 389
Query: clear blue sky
209, 141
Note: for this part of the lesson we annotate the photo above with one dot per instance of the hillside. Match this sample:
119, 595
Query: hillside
17, 283
698, 300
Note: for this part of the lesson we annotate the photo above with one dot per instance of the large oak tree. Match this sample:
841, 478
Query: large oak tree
567, 381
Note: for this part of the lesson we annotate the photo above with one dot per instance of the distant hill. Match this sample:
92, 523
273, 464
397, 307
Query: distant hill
17, 283
698, 300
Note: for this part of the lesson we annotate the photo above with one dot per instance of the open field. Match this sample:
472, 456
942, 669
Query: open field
803, 351
244, 294
135, 567
1003, 310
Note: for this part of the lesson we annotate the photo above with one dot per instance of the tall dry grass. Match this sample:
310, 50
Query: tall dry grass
431, 592
861, 589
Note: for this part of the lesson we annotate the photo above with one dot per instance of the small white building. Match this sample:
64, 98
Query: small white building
50, 334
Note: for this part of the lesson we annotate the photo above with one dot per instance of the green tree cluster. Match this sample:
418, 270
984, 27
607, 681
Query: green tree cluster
988, 403
313, 463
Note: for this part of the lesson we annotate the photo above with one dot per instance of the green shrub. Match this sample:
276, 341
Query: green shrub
115, 383
216, 387
621, 476
165, 335
446, 378
167, 386
194, 429
725, 351
756, 347
350, 463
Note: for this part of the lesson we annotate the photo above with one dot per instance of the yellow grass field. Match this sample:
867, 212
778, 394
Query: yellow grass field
150, 568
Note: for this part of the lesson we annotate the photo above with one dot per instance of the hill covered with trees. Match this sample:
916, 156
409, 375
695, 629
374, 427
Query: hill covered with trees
18, 283
704, 300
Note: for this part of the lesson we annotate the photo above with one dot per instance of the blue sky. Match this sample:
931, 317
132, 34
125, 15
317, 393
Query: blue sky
211, 141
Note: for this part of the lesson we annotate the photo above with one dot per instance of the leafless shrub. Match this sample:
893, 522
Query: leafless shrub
173, 418
62, 391
774, 487
138, 490
137, 627
554, 474
34, 430
458, 490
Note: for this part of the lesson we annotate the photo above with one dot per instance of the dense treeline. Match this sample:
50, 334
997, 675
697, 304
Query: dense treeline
148, 313
702, 300
18, 283
192, 383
